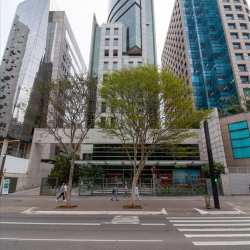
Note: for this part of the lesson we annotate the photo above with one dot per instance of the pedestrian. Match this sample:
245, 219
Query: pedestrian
61, 192
137, 193
65, 192
126, 191
115, 193
89, 185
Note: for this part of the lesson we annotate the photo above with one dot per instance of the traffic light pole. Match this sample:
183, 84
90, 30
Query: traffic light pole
211, 166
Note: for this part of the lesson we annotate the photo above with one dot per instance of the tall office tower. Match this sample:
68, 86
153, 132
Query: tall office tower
41, 47
127, 39
208, 44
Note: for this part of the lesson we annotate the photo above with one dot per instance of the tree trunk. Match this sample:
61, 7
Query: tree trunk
68, 203
132, 197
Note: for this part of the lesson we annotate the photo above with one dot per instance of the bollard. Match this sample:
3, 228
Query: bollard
207, 201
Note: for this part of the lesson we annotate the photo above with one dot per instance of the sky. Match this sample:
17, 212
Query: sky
80, 15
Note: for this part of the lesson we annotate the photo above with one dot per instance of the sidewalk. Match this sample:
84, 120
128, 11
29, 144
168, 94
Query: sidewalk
174, 205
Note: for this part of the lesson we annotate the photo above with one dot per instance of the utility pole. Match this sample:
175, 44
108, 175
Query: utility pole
211, 166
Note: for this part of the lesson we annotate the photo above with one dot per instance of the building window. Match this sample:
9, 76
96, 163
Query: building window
103, 122
115, 42
105, 66
230, 17
236, 45
104, 107
241, 17
116, 31
225, 1
139, 63
236, 1
242, 68
113, 122
234, 36
106, 52
246, 92
227, 8
107, 31
240, 139
238, 8
114, 65
244, 79
231, 26
130, 65
239, 57
243, 26
249, 56
115, 53
245, 36
106, 42
247, 45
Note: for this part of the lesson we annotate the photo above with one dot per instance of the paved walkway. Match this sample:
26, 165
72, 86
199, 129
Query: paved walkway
175, 205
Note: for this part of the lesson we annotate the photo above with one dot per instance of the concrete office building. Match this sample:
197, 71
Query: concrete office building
41, 47
208, 44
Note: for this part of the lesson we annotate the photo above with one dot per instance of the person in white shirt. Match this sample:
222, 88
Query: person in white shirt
62, 188
65, 192
137, 193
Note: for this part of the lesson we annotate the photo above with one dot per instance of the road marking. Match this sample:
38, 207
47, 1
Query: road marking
125, 220
202, 218
239, 210
43, 223
78, 240
148, 224
210, 225
28, 210
222, 243
215, 235
213, 229
209, 221
217, 212
92, 213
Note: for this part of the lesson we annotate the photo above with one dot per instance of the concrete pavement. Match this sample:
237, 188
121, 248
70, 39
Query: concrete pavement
174, 205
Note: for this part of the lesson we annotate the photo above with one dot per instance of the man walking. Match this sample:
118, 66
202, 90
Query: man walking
126, 191
61, 192
65, 192
137, 193
114, 193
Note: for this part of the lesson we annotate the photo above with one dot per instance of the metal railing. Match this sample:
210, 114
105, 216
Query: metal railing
170, 187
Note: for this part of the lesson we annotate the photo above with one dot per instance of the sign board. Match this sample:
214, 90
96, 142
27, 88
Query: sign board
6, 186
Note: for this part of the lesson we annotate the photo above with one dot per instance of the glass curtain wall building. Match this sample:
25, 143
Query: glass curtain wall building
41, 46
201, 47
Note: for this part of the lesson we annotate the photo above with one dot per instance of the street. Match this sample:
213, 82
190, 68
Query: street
124, 232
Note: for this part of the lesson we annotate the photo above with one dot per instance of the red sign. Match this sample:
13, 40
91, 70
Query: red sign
153, 169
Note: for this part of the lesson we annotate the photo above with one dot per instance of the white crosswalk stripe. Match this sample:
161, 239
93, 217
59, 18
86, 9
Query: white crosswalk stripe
223, 231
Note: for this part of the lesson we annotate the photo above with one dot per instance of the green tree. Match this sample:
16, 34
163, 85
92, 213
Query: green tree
62, 169
93, 172
147, 108
68, 110
219, 167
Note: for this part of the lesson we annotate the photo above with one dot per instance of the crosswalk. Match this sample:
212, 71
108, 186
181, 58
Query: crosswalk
214, 230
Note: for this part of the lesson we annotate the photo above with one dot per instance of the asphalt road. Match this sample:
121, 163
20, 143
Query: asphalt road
31, 232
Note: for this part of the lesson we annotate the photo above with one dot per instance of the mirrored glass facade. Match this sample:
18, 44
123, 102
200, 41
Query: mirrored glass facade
22, 68
211, 70
41, 47
129, 13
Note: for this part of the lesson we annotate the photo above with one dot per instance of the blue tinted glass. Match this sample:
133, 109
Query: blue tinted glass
237, 126
239, 134
241, 143
240, 153
211, 70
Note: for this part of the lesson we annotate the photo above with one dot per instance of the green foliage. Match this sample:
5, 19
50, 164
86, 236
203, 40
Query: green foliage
62, 168
219, 167
94, 172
